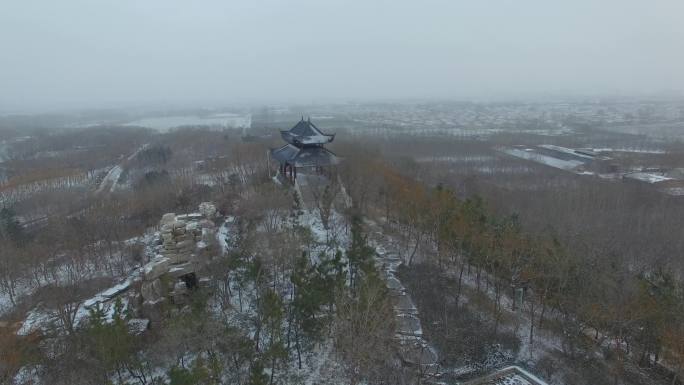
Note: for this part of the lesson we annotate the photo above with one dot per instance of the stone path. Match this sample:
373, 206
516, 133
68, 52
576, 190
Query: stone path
414, 350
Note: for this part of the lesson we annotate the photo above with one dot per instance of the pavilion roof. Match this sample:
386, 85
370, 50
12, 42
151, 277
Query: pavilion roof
306, 133
305, 156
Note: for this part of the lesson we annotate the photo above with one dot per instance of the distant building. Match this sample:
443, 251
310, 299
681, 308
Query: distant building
305, 148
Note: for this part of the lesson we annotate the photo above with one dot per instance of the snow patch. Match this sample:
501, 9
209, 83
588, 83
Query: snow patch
562, 164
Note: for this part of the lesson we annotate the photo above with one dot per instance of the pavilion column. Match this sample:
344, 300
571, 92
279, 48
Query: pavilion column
295, 171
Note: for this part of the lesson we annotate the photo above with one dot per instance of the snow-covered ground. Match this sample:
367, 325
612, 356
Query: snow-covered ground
647, 177
225, 235
10, 196
110, 180
409, 334
40, 319
456, 159
502, 170
319, 366
674, 191
565, 150
512, 375
126, 275
632, 150
543, 343
530, 154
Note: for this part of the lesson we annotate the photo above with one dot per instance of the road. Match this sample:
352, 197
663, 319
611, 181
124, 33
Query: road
110, 181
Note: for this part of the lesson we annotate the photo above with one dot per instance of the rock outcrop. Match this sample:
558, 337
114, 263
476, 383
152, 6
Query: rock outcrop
183, 252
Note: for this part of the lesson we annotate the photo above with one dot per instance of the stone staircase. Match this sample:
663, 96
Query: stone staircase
414, 350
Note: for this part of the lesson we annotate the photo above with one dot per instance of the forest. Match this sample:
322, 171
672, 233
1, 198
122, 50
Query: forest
417, 259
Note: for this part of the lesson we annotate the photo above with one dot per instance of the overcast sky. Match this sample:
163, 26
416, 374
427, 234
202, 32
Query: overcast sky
100, 53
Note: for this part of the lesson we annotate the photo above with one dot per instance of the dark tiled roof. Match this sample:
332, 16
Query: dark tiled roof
304, 156
285, 153
305, 132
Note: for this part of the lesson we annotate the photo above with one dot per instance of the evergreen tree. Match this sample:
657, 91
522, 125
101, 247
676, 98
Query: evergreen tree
272, 313
359, 254
110, 343
10, 228
197, 374
257, 375
332, 275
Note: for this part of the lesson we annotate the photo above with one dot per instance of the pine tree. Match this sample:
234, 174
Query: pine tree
10, 228
272, 313
112, 346
359, 254
257, 375
197, 374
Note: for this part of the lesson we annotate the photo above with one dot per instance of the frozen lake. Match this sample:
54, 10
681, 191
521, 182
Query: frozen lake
167, 123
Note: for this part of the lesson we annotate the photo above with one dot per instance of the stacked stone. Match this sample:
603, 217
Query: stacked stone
207, 209
177, 242
184, 240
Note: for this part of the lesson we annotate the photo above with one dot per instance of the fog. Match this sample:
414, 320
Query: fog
85, 53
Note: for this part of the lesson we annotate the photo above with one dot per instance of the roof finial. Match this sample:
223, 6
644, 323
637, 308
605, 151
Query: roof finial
308, 118
302, 118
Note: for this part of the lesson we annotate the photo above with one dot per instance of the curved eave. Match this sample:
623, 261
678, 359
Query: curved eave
305, 140
304, 156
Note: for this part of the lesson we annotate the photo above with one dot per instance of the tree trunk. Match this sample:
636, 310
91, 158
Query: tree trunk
497, 305
460, 284
240, 297
299, 349
415, 248
543, 310
273, 361
446, 318
531, 323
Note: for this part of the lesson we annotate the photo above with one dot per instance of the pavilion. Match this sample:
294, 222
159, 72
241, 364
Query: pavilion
304, 149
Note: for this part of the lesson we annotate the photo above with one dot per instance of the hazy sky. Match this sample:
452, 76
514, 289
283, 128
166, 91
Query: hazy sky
99, 53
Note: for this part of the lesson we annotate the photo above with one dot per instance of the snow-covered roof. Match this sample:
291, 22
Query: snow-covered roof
306, 133
304, 156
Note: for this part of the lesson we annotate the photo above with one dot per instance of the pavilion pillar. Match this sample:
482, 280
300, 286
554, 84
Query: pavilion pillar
295, 172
